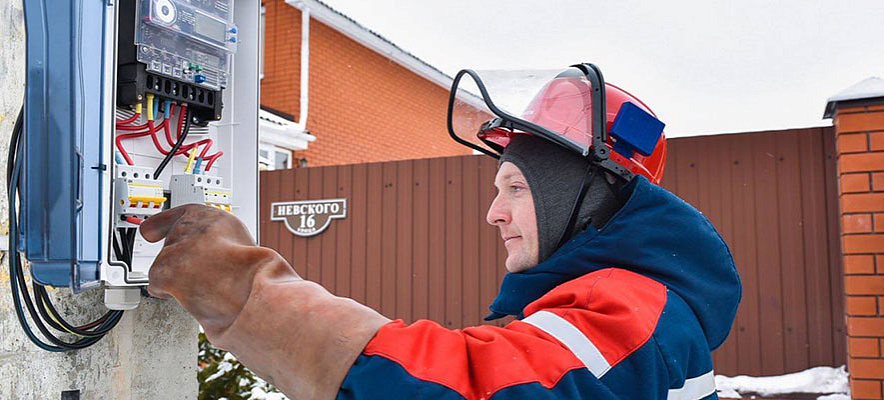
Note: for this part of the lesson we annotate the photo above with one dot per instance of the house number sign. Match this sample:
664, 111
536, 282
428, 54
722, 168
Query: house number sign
310, 217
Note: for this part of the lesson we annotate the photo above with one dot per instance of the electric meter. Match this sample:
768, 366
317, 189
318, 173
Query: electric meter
130, 109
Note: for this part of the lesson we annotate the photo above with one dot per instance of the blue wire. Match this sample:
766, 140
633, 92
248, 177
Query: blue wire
196, 166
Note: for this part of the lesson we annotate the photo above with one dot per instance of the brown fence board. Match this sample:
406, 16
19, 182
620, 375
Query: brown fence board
388, 240
438, 260
314, 244
791, 250
357, 210
768, 256
415, 244
453, 243
836, 284
342, 244
470, 239
404, 223
421, 243
745, 255
373, 288
328, 258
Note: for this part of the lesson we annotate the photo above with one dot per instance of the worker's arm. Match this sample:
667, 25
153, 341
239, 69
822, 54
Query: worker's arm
250, 301
609, 334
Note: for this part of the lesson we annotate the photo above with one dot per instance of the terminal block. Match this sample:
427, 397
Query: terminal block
200, 189
136, 194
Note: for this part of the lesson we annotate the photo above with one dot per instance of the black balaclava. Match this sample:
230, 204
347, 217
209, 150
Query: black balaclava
554, 175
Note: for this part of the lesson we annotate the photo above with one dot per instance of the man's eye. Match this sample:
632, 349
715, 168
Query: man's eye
516, 189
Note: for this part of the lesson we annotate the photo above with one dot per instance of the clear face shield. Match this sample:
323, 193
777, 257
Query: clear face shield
492, 107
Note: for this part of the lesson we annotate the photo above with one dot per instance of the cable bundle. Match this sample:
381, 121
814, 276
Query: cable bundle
151, 127
44, 313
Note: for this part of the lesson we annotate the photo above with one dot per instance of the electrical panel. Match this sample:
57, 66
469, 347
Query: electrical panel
154, 104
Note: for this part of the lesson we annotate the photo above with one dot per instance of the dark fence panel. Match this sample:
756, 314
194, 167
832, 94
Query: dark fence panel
415, 245
773, 197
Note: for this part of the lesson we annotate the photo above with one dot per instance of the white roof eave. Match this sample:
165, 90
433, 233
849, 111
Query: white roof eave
350, 28
283, 135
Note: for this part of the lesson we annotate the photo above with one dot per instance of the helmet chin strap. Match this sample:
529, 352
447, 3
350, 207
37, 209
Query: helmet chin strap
575, 211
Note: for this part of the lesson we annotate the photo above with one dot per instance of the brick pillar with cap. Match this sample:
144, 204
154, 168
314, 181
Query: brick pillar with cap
858, 114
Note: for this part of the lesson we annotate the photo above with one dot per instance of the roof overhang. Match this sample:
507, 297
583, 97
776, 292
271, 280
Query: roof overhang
278, 131
362, 35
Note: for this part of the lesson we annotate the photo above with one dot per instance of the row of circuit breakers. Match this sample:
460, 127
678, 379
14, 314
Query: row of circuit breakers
131, 115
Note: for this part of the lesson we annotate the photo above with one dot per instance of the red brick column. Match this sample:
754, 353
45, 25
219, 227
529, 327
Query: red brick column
860, 141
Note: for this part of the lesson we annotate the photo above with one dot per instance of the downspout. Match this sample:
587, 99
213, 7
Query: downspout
301, 124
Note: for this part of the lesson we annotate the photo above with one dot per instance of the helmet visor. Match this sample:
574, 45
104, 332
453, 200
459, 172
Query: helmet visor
494, 106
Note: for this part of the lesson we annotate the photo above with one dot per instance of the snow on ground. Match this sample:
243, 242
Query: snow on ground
829, 382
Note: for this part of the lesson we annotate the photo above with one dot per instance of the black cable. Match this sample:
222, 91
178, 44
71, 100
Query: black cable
117, 251
43, 299
45, 311
12, 168
185, 131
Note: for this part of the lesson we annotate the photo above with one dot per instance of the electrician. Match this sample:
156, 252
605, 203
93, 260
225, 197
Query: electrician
620, 289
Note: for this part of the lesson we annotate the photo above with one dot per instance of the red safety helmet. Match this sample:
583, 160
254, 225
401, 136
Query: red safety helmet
563, 112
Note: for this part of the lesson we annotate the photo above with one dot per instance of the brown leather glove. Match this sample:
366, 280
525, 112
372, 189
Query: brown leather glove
250, 301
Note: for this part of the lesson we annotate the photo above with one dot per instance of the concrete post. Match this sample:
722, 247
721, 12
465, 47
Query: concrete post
151, 354
859, 124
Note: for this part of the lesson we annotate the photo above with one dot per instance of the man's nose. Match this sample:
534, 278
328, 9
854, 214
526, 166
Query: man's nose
498, 213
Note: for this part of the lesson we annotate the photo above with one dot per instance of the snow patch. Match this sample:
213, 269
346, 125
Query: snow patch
828, 381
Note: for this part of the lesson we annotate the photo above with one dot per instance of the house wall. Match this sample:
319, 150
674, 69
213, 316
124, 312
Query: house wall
363, 106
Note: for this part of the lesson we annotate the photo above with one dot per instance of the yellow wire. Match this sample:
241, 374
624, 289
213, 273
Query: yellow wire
190, 160
66, 329
138, 108
150, 107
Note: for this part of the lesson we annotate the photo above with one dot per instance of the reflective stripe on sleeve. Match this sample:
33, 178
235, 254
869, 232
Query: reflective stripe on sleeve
573, 339
694, 388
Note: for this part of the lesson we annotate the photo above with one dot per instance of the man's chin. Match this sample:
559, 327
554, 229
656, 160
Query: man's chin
515, 266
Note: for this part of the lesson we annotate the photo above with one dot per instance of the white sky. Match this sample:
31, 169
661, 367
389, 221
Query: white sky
703, 66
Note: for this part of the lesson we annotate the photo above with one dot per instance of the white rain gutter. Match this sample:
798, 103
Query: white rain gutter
301, 123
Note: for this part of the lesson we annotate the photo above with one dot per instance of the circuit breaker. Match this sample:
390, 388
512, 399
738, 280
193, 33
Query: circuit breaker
132, 107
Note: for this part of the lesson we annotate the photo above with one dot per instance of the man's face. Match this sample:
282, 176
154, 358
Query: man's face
512, 211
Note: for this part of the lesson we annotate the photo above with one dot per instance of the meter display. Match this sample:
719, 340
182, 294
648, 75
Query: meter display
191, 41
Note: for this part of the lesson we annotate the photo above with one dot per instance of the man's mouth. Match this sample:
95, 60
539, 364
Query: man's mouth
507, 239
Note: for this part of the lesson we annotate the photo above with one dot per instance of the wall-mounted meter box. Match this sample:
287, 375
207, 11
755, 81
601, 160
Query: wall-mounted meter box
132, 107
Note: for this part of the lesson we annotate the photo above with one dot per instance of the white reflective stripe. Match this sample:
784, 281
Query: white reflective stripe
694, 388
573, 339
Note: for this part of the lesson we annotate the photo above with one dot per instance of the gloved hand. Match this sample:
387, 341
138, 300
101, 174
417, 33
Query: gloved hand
250, 301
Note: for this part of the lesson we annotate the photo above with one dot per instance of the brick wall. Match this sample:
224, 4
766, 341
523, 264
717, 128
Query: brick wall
860, 141
363, 106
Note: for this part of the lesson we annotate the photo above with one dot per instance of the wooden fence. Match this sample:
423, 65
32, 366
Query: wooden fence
414, 243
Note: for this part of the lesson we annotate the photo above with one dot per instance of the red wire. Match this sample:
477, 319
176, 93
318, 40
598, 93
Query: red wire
213, 158
119, 143
129, 120
131, 127
165, 125
134, 220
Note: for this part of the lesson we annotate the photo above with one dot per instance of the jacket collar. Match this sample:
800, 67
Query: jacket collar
655, 234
